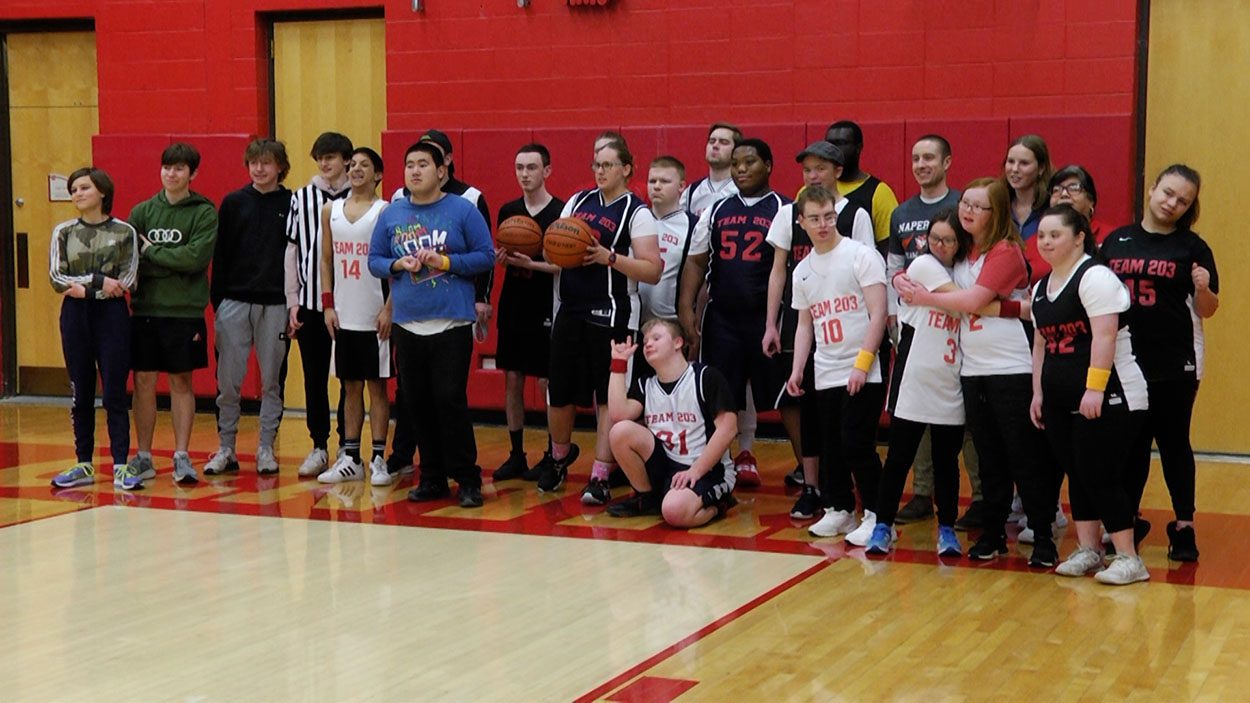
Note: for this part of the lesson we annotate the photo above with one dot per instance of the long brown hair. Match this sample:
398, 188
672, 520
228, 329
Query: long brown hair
1045, 169
1001, 226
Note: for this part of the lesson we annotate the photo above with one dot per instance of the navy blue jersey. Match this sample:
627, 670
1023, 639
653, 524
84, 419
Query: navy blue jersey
597, 293
739, 258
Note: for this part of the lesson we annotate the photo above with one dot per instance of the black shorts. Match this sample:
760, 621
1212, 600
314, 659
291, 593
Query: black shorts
712, 488
735, 348
526, 351
581, 361
803, 402
360, 356
168, 344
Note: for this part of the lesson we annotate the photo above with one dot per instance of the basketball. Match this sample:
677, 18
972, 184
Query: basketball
566, 242
520, 234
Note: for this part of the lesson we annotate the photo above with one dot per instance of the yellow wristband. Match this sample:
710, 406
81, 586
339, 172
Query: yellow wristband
446, 265
1096, 379
863, 360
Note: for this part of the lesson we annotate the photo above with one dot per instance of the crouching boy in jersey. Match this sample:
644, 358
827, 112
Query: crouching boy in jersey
678, 461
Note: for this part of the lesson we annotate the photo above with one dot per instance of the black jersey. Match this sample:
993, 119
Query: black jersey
1157, 269
598, 293
739, 257
682, 414
526, 299
1065, 327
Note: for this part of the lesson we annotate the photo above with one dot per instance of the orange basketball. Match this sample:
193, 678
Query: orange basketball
520, 234
566, 241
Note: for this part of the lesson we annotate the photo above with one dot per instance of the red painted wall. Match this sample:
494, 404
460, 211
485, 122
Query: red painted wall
494, 76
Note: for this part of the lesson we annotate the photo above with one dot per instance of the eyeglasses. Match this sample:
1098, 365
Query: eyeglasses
944, 241
1070, 189
817, 220
974, 207
604, 165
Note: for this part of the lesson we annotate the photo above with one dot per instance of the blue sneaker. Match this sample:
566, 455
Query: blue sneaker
882, 539
127, 478
948, 543
80, 474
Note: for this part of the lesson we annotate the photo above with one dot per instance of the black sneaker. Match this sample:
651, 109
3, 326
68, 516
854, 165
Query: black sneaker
724, 505
535, 471
808, 504
1182, 544
554, 474
917, 509
597, 492
795, 479
470, 496
973, 518
1045, 555
429, 490
988, 547
514, 467
636, 505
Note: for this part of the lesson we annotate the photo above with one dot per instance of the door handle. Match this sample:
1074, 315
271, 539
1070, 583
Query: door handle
20, 202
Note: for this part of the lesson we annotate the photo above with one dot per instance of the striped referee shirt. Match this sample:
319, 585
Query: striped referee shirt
303, 229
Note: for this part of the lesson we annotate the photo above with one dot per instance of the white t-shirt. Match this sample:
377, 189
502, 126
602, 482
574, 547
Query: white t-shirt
928, 361
357, 294
831, 287
992, 346
705, 193
781, 232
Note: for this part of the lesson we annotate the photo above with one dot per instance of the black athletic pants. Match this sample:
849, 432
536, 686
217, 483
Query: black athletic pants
905, 436
314, 354
435, 369
846, 444
1167, 424
1094, 453
96, 334
1011, 449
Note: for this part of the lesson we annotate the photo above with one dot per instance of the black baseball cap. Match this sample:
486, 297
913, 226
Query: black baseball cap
438, 138
824, 150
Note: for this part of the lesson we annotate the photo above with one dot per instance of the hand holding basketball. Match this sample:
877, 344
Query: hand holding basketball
566, 242
520, 234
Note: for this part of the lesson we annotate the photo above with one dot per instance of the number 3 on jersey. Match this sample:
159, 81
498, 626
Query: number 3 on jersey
667, 438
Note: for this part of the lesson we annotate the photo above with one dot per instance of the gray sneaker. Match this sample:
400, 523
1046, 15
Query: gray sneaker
142, 467
266, 462
184, 471
1123, 571
1080, 563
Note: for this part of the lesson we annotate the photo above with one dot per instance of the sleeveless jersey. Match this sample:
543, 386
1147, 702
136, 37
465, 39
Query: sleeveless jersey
1157, 269
925, 383
358, 295
680, 418
660, 299
1063, 320
525, 302
992, 346
739, 258
831, 287
597, 293
701, 194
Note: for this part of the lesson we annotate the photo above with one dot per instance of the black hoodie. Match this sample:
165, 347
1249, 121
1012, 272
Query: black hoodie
251, 247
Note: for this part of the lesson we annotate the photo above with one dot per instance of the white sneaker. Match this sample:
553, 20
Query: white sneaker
1017, 510
266, 462
1082, 562
1123, 571
1061, 519
314, 463
834, 523
224, 461
344, 470
860, 535
1025, 536
379, 475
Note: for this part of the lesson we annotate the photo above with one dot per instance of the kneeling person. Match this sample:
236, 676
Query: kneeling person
678, 463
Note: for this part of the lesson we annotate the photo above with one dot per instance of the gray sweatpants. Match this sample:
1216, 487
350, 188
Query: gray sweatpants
922, 469
240, 326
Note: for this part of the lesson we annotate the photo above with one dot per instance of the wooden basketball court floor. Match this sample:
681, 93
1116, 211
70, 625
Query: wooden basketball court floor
248, 589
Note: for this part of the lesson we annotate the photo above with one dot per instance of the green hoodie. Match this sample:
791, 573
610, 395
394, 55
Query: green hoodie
173, 269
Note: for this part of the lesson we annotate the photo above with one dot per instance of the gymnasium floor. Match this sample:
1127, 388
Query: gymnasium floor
243, 589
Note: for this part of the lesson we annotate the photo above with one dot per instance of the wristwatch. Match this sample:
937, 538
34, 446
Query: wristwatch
611, 259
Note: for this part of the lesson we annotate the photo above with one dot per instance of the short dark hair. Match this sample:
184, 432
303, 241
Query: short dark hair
847, 124
373, 156
100, 180
950, 216
536, 148
331, 143
181, 153
426, 147
943, 145
725, 125
816, 195
759, 145
1071, 217
1080, 174
1190, 218
274, 149
667, 161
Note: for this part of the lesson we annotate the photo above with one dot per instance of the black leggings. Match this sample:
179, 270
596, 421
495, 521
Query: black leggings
905, 437
1094, 453
847, 446
1010, 449
1167, 424
95, 334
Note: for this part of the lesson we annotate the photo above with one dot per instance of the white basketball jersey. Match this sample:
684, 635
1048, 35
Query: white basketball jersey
926, 384
678, 418
992, 346
357, 294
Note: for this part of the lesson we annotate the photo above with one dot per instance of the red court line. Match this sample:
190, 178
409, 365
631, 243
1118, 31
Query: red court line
651, 661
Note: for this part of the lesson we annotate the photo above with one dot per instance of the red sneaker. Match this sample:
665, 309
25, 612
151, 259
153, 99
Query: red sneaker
748, 470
